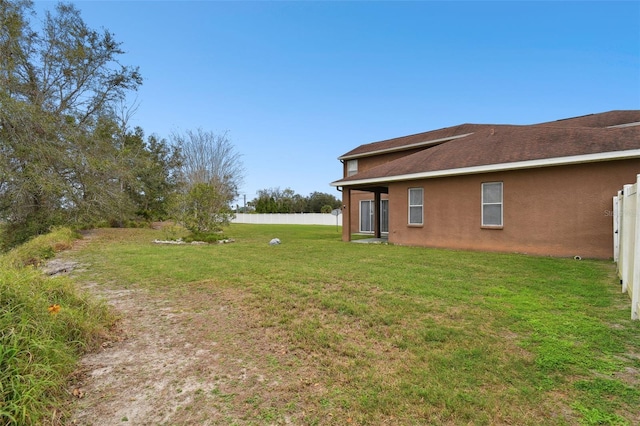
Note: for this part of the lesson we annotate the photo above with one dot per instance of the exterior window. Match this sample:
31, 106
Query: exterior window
352, 167
415, 206
492, 204
384, 216
366, 216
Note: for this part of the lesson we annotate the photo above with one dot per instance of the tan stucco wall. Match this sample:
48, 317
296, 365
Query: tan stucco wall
557, 211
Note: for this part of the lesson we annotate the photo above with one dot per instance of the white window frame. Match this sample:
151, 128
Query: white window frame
352, 167
492, 203
415, 206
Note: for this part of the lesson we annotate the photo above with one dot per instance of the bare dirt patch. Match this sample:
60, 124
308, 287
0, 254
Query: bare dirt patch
189, 360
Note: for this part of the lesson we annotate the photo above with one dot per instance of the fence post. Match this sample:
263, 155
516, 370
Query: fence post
627, 237
616, 229
635, 283
621, 242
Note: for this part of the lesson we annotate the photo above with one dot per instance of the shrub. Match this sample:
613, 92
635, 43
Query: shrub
207, 237
203, 209
35, 251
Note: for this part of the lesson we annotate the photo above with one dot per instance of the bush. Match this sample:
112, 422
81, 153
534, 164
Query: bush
203, 209
35, 251
204, 237
14, 234
326, 209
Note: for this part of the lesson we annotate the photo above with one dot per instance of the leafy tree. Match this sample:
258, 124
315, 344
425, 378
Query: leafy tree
326, 209
68, 69
202, 209
156, 173
275, 200
265, 202
60, 147
212, 172
317, 200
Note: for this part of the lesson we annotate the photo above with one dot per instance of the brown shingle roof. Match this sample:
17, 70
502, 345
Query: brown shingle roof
425, 138
602, 120
499, 144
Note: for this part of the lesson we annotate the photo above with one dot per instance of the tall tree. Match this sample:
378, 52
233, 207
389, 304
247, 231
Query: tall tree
212, 172
275, 200
156, 173
59, 141
266, 201
319, 200
210, 158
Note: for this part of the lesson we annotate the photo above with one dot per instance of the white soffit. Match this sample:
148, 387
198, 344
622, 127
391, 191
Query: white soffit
530, 164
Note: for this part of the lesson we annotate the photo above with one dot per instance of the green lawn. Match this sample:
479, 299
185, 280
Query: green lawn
407, 335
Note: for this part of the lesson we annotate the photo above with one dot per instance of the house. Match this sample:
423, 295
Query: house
543, 189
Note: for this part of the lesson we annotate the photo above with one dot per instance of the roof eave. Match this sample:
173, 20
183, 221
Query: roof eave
529, 164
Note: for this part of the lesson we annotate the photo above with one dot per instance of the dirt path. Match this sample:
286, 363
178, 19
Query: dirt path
187, 361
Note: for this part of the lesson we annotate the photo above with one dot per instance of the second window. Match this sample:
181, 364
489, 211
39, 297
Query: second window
416, 206
492, 204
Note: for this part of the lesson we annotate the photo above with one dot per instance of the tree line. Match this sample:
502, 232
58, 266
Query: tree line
69, 157
67, 153
275, 200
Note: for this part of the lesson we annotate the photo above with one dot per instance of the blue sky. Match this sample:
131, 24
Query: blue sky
297, 84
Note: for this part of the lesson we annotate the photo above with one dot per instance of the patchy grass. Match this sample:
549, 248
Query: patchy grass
406, 335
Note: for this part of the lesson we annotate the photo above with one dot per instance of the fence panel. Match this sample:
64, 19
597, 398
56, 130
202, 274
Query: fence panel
627, 223
289, 218
634, 284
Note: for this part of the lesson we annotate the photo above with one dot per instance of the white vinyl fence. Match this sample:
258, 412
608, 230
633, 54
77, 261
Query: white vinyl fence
626, 240
289, 218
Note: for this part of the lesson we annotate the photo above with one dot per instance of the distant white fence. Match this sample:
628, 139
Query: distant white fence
626, 240
289, 218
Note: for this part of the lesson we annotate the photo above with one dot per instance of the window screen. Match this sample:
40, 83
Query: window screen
415, 206
492, 204
352, 167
